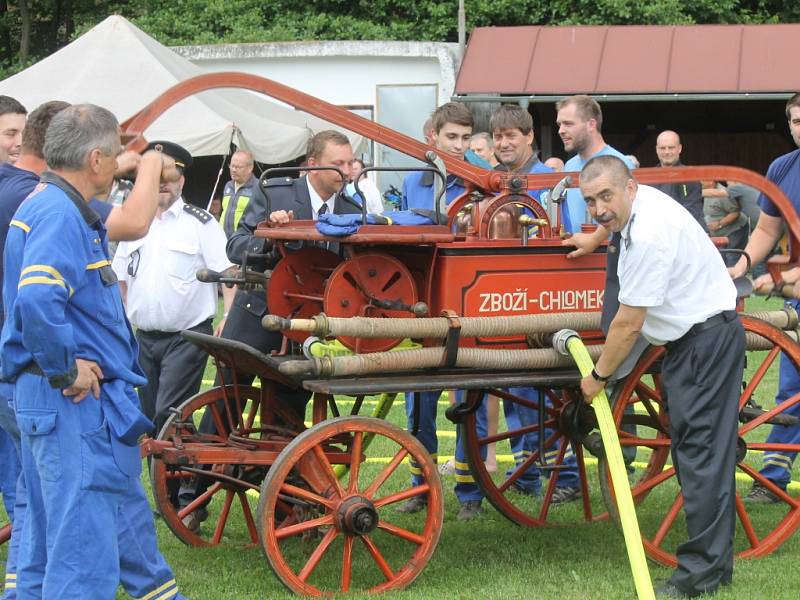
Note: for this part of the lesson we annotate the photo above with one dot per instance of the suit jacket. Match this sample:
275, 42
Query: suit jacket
282, 193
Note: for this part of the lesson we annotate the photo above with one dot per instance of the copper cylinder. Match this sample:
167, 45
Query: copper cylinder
505, 223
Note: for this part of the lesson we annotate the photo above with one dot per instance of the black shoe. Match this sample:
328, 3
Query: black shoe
761, 495
562, 495
670, 590
471, 509
413, 505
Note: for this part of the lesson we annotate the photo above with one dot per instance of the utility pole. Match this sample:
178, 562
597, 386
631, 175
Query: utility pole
462, 28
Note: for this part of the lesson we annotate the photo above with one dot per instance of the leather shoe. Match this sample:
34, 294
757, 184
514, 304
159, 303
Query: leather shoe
670, 590
193, 520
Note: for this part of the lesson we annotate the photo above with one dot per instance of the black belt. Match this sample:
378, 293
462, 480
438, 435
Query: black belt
724, 317
155, 333
33, 369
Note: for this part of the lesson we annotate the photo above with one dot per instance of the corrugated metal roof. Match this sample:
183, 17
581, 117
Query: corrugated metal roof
692, 59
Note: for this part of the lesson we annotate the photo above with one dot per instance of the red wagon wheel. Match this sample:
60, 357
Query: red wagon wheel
507, 488
760, 528
226, 480
346, 536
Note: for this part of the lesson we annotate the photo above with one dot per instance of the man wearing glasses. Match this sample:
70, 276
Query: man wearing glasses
238, 191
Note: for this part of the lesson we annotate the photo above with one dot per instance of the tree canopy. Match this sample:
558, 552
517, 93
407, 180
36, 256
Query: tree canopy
30, 30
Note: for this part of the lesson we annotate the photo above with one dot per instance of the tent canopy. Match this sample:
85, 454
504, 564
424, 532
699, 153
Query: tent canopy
118, 66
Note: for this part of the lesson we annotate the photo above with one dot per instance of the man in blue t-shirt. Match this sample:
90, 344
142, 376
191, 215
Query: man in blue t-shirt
580, 125
785, 173
452, 129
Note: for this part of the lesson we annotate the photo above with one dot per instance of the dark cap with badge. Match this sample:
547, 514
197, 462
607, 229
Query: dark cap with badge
180, 154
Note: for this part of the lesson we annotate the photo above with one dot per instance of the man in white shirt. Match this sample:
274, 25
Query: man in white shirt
157, 275
675, 290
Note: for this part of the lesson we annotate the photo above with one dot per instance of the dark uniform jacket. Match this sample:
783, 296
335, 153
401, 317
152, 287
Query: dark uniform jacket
689, 195
284, 193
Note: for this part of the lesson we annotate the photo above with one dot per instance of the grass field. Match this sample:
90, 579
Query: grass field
487, 558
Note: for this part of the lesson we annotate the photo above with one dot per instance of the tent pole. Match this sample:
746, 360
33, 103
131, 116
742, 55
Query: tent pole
219, 174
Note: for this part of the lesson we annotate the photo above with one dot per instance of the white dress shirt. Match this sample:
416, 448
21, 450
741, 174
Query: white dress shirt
160, 270
317, 201
669, 265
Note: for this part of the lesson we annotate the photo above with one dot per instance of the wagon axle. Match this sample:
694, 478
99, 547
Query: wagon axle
356, 515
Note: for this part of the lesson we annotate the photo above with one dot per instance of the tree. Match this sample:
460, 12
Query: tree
31, 30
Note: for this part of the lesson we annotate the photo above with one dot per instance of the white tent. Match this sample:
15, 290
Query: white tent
118, 66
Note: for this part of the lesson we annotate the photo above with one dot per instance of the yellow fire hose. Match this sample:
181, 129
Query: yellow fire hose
566, 341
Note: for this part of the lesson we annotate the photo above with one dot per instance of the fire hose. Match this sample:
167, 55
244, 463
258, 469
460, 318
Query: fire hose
568, 342
428, 358
438, 327
468, 358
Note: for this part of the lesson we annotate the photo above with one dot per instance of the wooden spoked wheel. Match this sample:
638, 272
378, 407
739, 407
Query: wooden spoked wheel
222, 458
346, 535
511, 489
760, 528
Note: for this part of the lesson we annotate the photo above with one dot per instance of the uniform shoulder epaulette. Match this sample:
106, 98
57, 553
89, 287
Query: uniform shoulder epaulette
198, 213
278, 182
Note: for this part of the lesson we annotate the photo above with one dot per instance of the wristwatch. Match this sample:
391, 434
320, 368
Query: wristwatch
597, 377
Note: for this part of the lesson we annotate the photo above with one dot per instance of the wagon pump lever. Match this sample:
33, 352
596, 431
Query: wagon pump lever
248, 276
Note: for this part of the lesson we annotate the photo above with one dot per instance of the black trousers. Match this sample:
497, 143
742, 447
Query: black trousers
702, 377
174, 369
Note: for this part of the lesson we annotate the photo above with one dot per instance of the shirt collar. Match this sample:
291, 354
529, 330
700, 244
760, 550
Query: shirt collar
526, 168
247, 184
316, 200
91, 218
625, 232
176, 208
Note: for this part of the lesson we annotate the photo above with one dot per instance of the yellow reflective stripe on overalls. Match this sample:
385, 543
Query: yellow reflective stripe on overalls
51, 277
97, 265
42, 269
11, 581
43, 281
158, 593
25, 227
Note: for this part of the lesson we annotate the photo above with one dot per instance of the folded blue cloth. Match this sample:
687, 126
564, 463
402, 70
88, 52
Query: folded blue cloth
339, 225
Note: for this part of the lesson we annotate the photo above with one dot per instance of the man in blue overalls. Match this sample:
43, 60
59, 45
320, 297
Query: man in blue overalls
71, 353
452, 128
785, 173
512, 132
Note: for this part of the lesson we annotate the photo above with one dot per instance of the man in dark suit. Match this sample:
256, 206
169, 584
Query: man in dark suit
280, 201
285, 199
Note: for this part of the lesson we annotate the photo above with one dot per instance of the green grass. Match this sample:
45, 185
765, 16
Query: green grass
489, 557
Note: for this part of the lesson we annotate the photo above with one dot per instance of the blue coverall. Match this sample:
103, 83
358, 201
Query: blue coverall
778, 465
785, 173
80, 461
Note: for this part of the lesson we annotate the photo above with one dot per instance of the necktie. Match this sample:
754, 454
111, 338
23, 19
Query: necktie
323, 210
